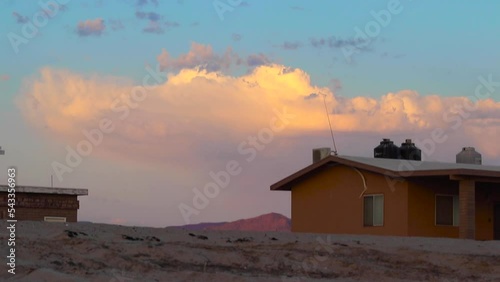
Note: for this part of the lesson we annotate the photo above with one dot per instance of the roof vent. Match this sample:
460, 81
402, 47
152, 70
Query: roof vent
321, 153
469, 155
409, 151
386, 150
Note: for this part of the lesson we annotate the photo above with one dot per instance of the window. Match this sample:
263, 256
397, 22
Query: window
373, 210
447, 212
54, 219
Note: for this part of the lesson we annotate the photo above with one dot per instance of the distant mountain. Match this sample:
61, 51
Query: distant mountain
266, 222
200, 226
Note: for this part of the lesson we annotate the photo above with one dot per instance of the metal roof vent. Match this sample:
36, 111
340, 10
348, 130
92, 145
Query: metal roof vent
469, 155
321, 153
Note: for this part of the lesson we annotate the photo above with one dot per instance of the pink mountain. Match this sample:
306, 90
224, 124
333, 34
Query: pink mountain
266, 222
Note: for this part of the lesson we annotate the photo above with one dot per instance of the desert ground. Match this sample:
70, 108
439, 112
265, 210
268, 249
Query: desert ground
100, 252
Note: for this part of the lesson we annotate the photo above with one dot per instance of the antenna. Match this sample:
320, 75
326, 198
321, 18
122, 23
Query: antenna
329, 123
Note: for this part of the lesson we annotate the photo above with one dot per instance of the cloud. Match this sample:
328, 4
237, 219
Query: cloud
155, 25
4, 77
288, 45
152, 16
257, 60
297, 8
179, 118
170, 24
19, 18
203, 57
142, 3
199, 55
328, 42
335, 85
311, 96
333, 42
202, 111
91, 27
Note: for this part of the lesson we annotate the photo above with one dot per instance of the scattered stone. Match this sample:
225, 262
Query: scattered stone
201, 237
132, 238
73, 234
340, 244
244, 240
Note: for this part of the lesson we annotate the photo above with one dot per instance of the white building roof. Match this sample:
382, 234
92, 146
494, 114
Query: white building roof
46, 190
400, 165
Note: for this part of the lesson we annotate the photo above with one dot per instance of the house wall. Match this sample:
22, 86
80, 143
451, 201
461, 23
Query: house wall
34, 206
329, 202
486, 196
422, 207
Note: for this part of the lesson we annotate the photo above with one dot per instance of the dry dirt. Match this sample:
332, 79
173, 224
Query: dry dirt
100, 252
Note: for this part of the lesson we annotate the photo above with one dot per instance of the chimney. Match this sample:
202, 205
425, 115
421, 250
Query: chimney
321, 153
469, 155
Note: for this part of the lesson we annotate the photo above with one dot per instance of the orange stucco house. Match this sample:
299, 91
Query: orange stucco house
357, 195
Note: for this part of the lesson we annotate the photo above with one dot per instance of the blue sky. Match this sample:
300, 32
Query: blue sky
427, 48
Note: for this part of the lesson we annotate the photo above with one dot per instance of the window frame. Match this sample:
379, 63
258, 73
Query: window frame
455, 221
373, 209
54, 218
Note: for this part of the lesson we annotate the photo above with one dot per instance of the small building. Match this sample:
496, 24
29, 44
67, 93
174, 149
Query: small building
42, 203
400, 197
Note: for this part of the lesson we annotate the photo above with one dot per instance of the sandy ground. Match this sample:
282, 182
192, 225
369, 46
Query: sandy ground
100, 252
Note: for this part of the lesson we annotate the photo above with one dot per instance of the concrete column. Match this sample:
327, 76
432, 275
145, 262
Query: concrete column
467, 204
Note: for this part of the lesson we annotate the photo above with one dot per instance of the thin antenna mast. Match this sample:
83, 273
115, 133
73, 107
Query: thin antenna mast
329, 123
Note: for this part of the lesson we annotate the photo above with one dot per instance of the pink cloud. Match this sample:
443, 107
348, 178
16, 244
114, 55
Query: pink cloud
180, 119
199, 55
4, 77
91, 27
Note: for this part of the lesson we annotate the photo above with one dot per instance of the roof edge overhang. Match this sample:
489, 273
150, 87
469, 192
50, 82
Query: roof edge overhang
286, 183
454, 174
46, 190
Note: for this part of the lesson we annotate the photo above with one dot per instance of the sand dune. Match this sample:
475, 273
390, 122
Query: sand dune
99, 252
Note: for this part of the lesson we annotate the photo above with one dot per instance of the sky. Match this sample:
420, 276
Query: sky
176, 112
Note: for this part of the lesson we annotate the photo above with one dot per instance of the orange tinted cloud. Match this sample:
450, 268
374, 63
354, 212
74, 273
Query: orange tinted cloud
196, 106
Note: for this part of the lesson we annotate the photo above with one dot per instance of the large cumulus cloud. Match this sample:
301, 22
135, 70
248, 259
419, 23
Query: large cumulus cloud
198, 106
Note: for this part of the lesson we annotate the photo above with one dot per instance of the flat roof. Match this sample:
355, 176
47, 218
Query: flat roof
395, 168
46, 190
